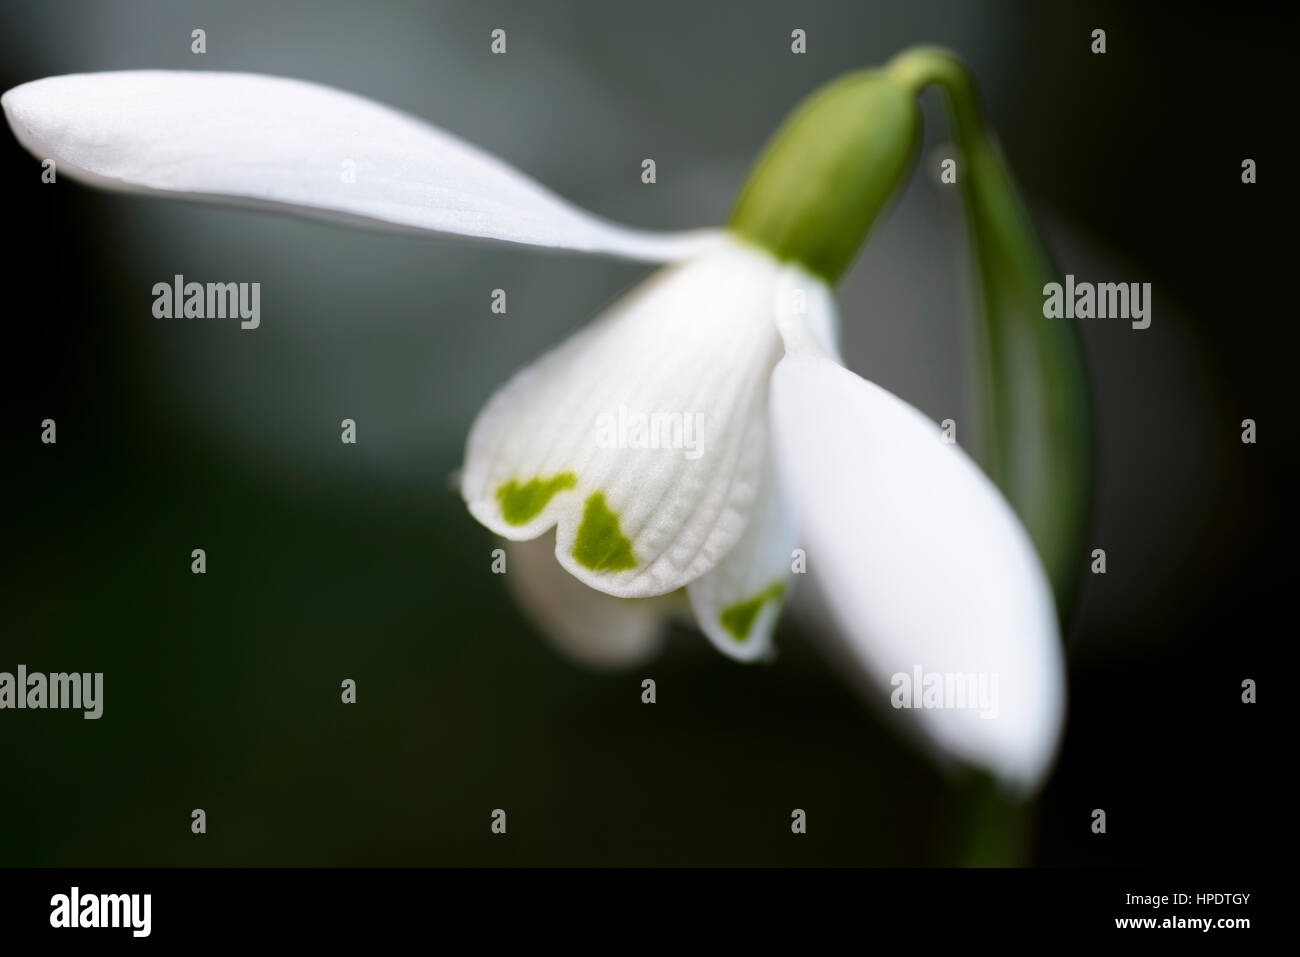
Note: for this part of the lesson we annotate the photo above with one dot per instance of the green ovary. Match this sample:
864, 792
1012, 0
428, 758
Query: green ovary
738, 619
520, 504
601, 544
830, 170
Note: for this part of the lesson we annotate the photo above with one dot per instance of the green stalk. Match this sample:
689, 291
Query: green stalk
1035, 407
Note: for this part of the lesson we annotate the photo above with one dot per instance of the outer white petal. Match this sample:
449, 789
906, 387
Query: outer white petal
922, 561
593, 628
270, 141
695, 346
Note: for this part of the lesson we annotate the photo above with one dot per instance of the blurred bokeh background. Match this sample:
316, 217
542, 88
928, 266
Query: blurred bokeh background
328, 561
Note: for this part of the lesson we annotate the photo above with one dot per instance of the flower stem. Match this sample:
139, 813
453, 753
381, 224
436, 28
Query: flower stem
1034, 402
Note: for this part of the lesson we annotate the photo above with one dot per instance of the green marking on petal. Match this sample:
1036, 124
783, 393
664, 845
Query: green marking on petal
739, 618
520, 504
601, 544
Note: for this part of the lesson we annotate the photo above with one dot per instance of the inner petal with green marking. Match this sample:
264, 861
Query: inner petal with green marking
601, 544
520, 504
739, 618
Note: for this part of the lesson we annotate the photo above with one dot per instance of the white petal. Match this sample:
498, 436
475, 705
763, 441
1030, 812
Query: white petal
805, 311
644, 436
923, 563
737, 604
593, 628
270, 141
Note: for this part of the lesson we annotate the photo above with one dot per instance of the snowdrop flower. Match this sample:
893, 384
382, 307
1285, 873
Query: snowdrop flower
702, 437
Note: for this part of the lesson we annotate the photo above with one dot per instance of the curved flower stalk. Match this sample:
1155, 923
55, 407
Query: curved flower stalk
700, 440
1035, 404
